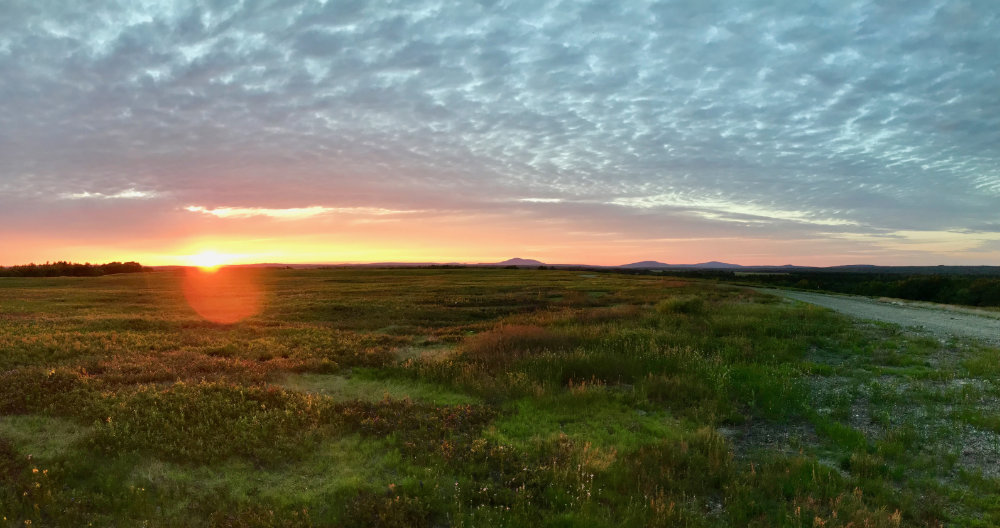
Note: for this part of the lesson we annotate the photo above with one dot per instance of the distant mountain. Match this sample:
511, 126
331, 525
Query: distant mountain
646, 264
715, 265
650, 264
520, 262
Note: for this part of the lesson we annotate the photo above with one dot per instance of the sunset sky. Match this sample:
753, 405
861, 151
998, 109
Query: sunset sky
814, 133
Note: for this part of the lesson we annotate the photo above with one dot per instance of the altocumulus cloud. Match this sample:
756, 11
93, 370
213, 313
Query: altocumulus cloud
292, 213
866, 122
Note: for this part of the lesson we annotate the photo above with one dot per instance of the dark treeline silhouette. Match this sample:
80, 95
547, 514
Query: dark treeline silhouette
950, 289
71, 269
954, 288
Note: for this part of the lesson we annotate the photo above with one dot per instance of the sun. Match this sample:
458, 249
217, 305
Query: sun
208, 260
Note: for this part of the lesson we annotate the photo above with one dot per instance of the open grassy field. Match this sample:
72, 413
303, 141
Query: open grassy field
482, 397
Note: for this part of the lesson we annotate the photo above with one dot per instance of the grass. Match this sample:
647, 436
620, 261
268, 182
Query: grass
372, 386
476, 397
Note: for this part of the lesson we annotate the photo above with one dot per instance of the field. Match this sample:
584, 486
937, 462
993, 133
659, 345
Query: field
482, 397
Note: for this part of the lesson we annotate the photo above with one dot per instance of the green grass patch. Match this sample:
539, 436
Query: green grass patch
482, 397
364, 385
585, 415
45, 438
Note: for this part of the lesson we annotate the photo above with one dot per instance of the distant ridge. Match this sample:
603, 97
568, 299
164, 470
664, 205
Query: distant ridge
716, 264
519, 262
651, 264
645, 264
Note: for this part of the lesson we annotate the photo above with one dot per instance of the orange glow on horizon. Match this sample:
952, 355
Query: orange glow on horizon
214, 243
209, 260
223, 295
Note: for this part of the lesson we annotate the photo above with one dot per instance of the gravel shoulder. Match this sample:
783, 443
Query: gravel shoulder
940, 320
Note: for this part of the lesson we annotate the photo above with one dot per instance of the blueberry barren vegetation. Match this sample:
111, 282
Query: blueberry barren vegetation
482, 397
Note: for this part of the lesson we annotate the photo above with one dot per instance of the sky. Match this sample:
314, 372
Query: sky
812, 133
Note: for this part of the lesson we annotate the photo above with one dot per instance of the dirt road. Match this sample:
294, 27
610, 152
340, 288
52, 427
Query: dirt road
939, 320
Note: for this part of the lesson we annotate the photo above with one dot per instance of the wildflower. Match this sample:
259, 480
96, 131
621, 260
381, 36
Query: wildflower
34, 470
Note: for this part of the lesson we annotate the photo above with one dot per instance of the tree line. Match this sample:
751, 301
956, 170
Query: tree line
949, 289
71, 269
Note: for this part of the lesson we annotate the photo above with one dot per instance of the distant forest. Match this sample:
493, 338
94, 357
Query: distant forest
969, 290
71, 269
950, 289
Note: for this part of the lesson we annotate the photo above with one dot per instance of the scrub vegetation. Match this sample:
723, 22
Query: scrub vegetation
483, 397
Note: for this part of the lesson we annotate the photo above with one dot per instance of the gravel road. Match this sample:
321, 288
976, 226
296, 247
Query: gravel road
939, 320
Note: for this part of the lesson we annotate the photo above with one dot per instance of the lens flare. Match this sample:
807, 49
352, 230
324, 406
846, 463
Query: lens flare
223, 295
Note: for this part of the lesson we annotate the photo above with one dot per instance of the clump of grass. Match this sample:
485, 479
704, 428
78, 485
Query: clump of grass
420, 428
867, 466
799, 491
507, 344
697, 464
390, 509
839, 435
682, 304
772, 392
687, 393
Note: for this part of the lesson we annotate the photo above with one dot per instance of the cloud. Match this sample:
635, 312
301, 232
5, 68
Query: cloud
730, 211
540, 200
786, 119
940, 242
292, 213
127, 194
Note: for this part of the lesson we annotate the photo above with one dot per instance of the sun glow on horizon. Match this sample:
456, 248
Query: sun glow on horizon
209, 260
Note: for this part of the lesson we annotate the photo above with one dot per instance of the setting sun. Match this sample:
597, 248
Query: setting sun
208, 260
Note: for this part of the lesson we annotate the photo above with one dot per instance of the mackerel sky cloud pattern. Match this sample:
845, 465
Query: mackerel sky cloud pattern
870, 130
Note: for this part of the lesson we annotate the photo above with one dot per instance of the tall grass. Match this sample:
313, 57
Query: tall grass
478, 398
